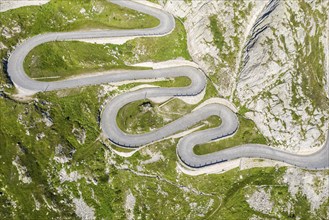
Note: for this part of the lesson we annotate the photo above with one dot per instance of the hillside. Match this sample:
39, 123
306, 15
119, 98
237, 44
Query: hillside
268, 58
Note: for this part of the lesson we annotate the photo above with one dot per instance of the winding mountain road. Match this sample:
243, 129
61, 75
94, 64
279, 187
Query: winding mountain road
317, 160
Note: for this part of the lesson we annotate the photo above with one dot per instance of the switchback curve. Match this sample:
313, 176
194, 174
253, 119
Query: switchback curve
317, 160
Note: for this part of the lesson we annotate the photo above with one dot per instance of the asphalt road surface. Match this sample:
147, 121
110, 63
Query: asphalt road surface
230, 123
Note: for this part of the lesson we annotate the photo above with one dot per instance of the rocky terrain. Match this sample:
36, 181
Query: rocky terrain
271, 57
284, 72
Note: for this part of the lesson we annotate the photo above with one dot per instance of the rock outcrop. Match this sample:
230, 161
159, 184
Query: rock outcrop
217, 55
271, 56
283, 76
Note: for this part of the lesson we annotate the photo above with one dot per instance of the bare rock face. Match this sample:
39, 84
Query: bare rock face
82, 209
271, 56
283, 73
23, 174
260, 201
70, 177
216, 31
130, 205
315, 186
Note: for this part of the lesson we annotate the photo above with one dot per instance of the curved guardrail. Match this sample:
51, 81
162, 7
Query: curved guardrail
229, 125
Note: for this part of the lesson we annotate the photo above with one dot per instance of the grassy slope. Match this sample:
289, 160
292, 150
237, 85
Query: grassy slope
168, 194
160, 196
136, 118
48, 60
60, 15
133, 119
247, 133
65, 59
